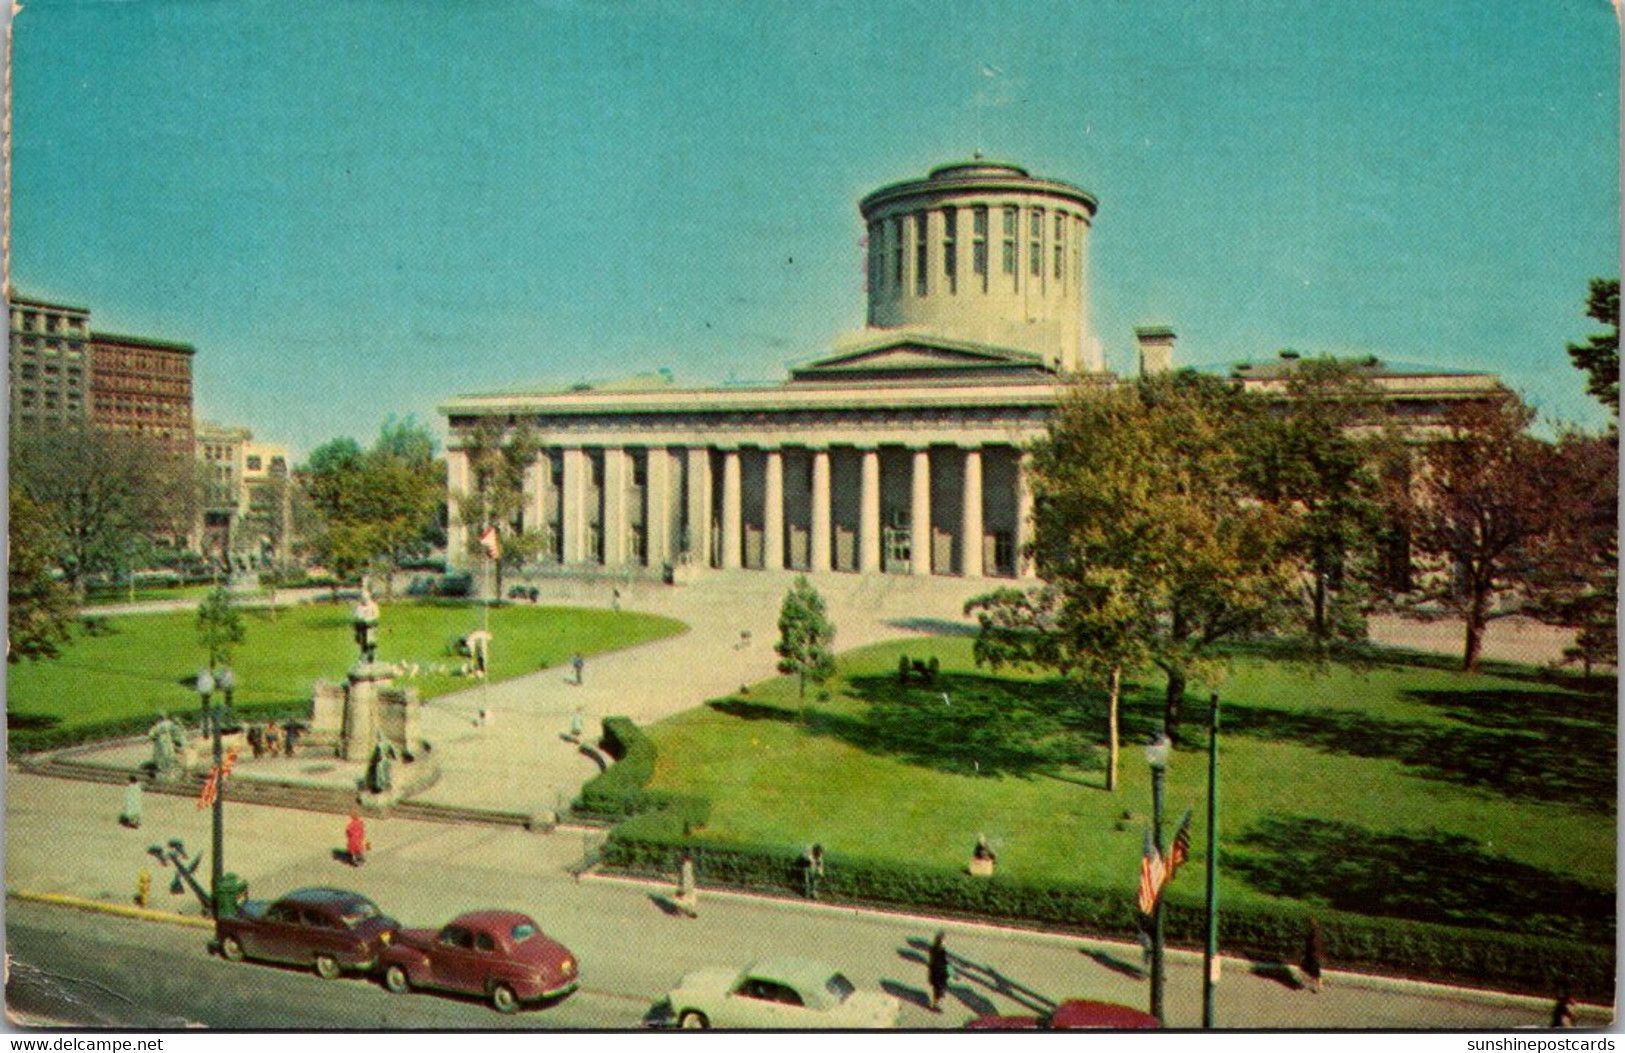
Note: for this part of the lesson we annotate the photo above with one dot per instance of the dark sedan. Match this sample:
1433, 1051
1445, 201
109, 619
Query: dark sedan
500, 955
326, 928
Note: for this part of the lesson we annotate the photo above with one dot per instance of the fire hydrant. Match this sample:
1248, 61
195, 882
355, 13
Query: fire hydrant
143, 887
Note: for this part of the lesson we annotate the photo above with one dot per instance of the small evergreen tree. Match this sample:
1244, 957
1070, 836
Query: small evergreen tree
219, 627
806, 636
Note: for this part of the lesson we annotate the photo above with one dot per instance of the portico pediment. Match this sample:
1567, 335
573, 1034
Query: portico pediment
917, 355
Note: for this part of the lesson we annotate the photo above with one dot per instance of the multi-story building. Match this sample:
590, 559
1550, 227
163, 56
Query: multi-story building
246, 502
902, 451
50, 368
142, 386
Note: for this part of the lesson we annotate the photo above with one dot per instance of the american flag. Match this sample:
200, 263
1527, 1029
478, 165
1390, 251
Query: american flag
1180, 850
1151, 876
492, 542
211, 786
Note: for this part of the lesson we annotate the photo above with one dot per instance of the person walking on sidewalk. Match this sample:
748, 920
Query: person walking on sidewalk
812, 871
579, 664
936, 970
355, 840
1563, 1011
688, 893
131, 815
1313, 952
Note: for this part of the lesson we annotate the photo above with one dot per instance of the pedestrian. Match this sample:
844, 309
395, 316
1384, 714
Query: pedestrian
812, 863
355, 840
578, 724
290, 738
131, 815
1313, 952
688, 893
1563, 1011
579, 664
615, 599
256, 740
273, 741
936, 970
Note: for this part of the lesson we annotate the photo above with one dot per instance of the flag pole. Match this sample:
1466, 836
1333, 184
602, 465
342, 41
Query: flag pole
1210, 952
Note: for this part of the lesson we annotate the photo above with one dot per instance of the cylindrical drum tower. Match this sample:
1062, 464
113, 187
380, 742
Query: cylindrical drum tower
981, 251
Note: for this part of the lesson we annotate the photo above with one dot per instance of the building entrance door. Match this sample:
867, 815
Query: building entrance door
895, 550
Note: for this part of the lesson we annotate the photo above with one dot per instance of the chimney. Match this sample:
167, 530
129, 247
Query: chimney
1156, 349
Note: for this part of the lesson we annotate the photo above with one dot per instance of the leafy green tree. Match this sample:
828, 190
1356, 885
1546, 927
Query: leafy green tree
39, 610
109, 496
376, 508
1598, 357
498, 457
806, 636
1573, 577
219, 627
1148, 532
1318, 456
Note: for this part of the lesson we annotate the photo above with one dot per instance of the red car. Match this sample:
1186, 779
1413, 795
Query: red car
499, 954
1074, 1014
327, 928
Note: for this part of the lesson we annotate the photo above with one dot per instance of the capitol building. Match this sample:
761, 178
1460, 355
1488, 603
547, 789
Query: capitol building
901, 451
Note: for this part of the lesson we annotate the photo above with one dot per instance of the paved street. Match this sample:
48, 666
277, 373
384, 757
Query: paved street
631, 949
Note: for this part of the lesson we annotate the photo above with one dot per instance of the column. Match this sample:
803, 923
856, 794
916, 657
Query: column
919, 520
573, 510
820, 512
773, 512
733, 534
869, 514
1024, 517
456, 488
657, 507
699, 505
970, 531
614, 506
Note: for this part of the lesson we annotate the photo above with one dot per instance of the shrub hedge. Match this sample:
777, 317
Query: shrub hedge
656, 828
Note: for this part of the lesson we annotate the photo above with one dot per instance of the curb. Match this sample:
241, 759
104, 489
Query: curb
97, 906
1194, 959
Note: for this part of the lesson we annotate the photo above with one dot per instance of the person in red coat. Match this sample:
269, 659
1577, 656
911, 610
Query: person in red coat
355, 840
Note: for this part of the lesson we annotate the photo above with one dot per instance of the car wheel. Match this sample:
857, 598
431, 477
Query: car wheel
503, 1000
693, 1020
327, 967
231, 949
396, 980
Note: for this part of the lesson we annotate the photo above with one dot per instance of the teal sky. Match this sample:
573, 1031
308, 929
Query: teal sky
356, 209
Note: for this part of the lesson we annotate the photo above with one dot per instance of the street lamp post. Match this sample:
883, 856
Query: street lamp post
1210, 953
215, 717
1156, 755
205, 689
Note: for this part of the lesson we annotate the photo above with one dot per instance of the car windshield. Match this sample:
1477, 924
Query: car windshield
359, 911
523, 931
839, 986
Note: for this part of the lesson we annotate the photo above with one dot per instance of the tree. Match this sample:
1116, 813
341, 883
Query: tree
1318, 457
377, 508
1147, 530
1485, 502
108, 496
806, 636
39, 610
1573, 579
1598, 357
219, 627
498, 457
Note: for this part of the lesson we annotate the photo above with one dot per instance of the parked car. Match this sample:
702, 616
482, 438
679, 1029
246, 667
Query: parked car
779, 993
1071, 1015
326, 928
499, 954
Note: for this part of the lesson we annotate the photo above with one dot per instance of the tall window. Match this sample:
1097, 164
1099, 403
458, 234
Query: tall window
950, 255
1060, 248
1035, 255
897, 254
979, 243
1011, 226
876, 233
921, 268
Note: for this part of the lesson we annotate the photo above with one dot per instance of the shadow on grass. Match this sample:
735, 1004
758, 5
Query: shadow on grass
964, 723
1368, 657
1437, 877
1528, 745
30, 721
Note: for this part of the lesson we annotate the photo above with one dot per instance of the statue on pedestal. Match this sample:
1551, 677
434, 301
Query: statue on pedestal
366, 627
167, 741
381, 776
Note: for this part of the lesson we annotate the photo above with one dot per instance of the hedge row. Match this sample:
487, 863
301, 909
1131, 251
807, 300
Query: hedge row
656, 828
619, 792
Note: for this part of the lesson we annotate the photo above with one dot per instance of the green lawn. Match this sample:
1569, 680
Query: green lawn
116, 594
1404, 789
144, 663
